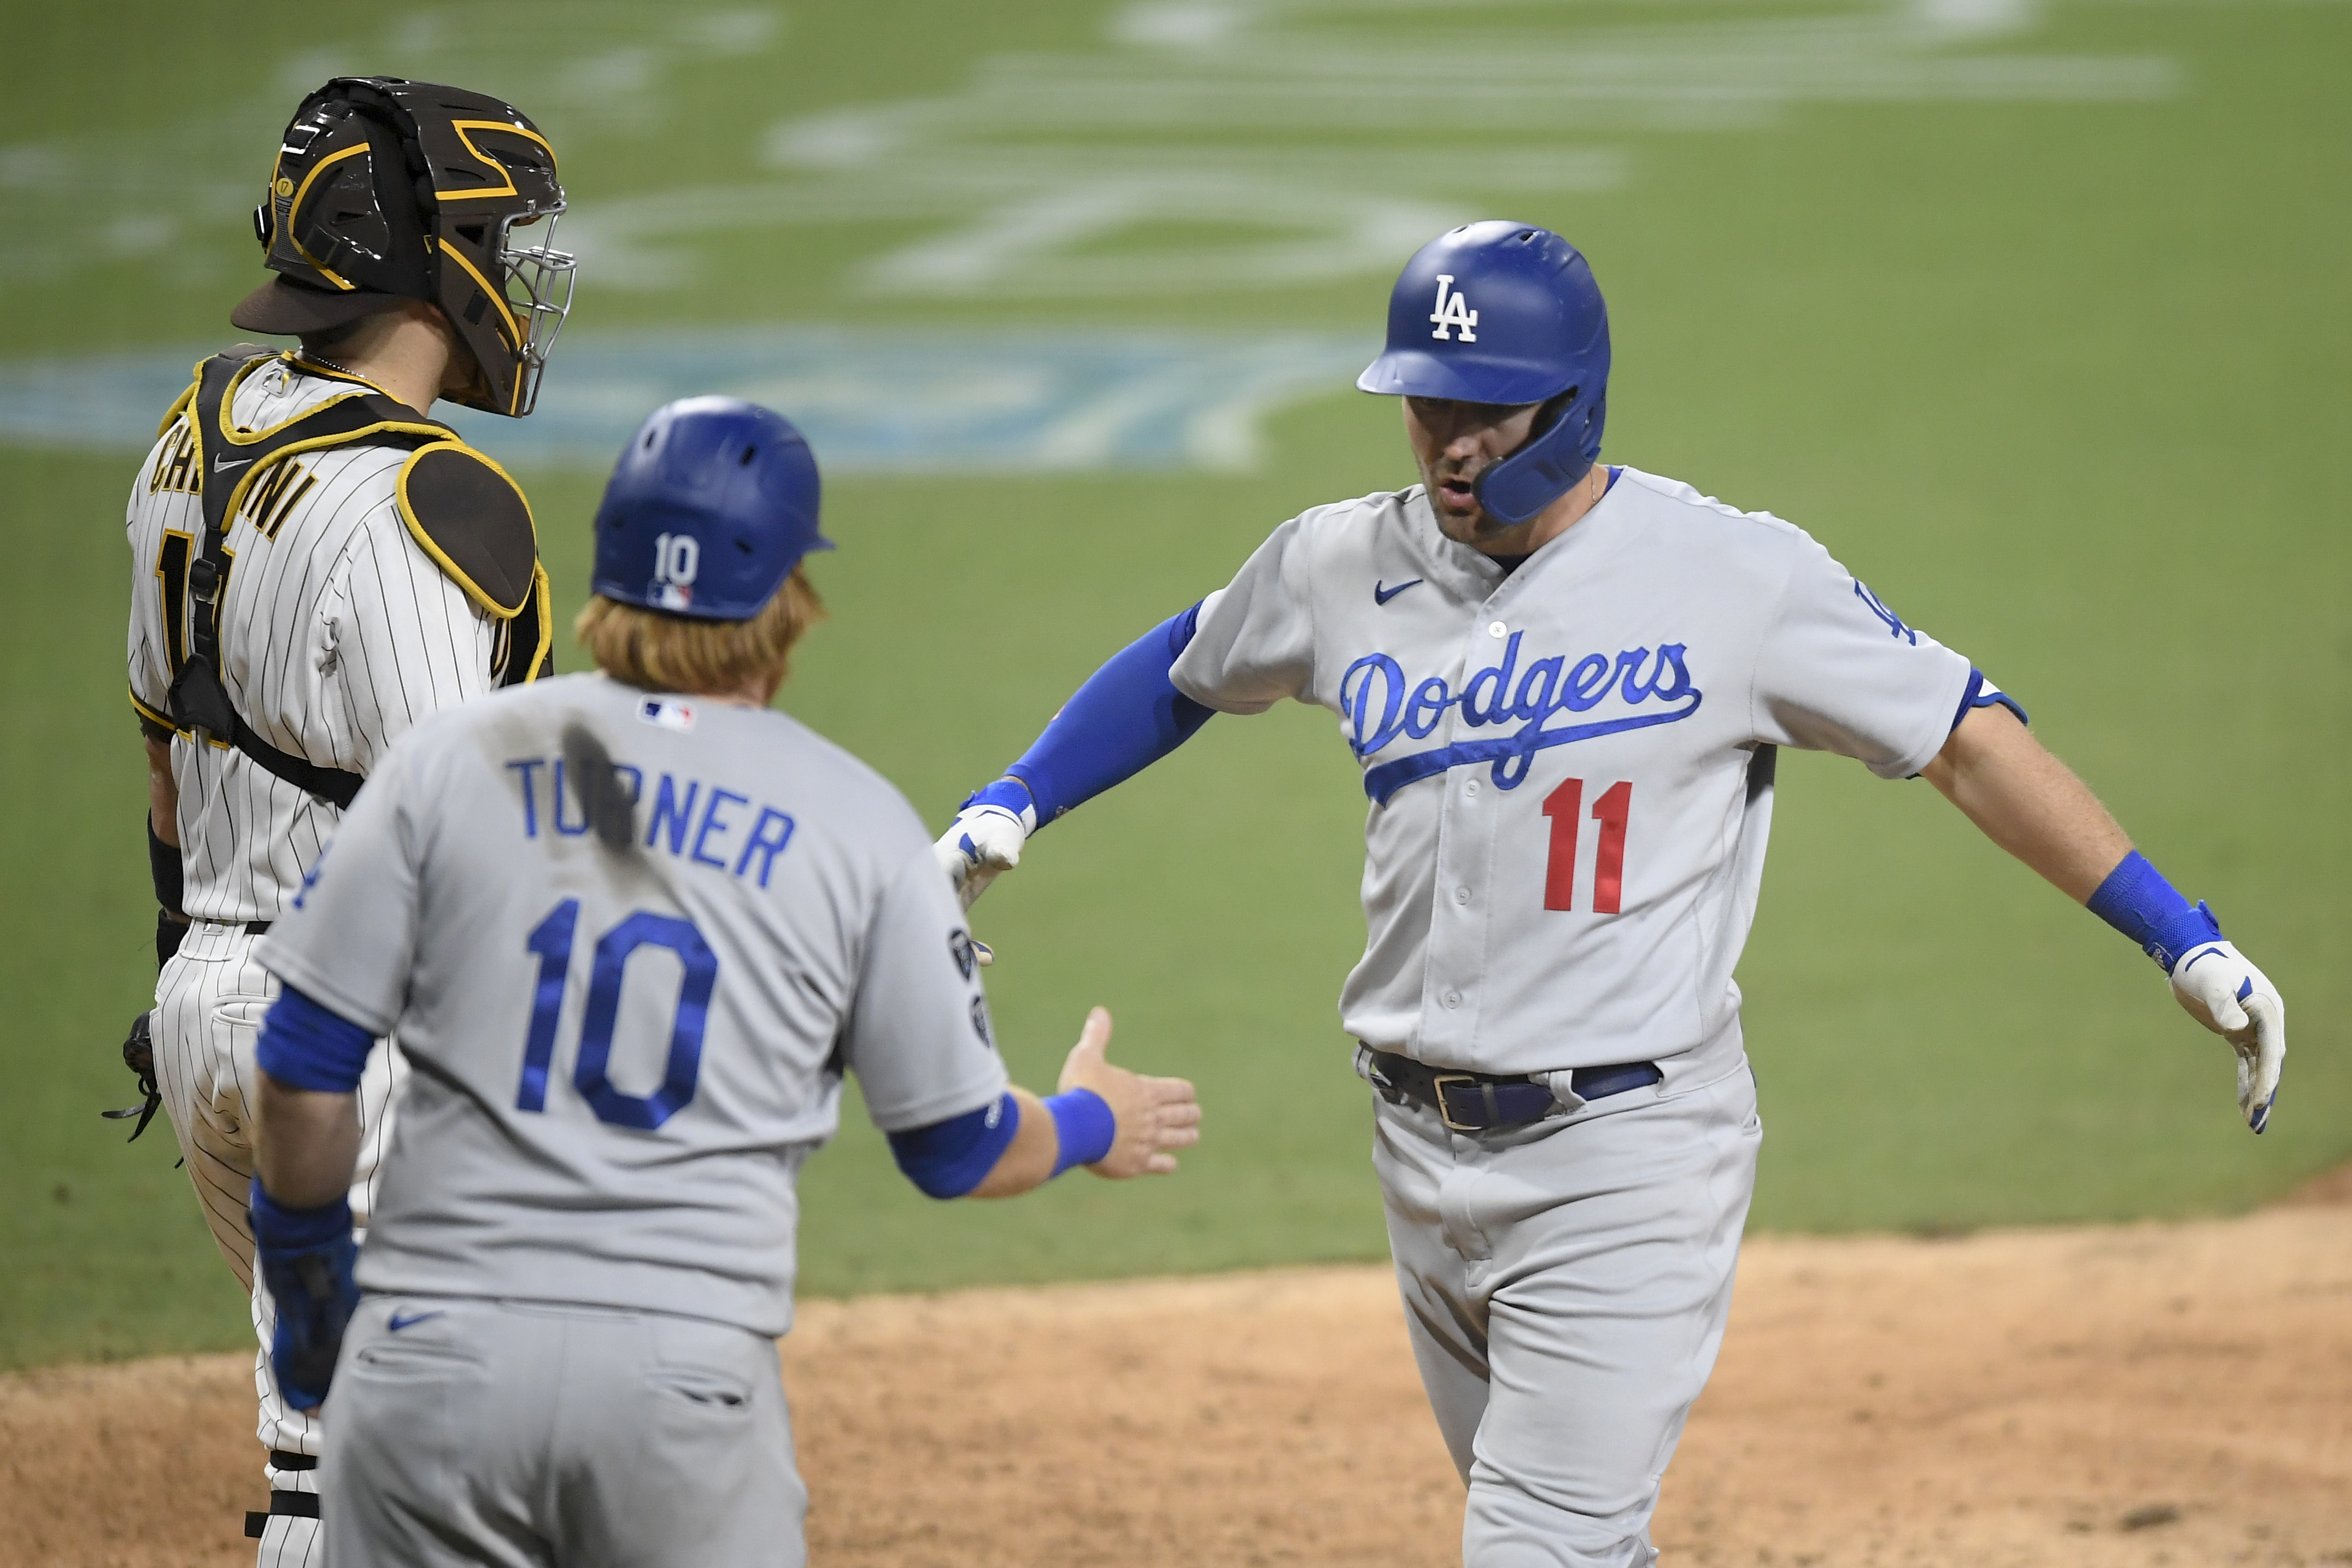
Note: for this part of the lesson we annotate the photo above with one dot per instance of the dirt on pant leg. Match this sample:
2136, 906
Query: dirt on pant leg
2069, 1397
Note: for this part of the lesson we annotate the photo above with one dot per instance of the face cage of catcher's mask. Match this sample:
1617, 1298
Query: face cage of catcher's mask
537, 280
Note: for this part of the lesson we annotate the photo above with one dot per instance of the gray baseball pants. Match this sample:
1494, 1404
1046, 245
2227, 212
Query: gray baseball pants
1566, 1285
470, 1432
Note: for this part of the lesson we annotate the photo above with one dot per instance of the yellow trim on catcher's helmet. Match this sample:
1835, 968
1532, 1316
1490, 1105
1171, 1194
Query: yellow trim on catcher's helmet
461, 127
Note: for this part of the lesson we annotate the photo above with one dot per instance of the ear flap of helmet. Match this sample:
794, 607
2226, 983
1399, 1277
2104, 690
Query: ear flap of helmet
339, 216
1562, 452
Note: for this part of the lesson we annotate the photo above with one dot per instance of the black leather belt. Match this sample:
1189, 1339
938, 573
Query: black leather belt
1481, 1101
250, 927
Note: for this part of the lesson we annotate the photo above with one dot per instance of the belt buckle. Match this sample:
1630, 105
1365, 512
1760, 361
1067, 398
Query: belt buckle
1437, 1086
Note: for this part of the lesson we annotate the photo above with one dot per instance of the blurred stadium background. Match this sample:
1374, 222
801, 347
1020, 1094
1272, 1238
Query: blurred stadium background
2033, 310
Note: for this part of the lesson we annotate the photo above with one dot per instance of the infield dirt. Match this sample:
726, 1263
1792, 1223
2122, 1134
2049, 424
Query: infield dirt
2140, 1394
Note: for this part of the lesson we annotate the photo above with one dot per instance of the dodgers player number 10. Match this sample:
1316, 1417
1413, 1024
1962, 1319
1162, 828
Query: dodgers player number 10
632, 929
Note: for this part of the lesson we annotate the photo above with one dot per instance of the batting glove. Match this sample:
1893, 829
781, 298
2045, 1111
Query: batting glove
306, 1257
986, 838
2237, 1001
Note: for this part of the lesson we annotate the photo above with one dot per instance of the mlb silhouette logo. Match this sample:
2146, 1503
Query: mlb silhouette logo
664, 715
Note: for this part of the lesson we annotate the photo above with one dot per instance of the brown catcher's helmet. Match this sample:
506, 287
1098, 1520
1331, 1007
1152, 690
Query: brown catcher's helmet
402, 189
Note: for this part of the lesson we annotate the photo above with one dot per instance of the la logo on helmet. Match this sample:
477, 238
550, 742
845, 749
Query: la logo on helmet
1452, 310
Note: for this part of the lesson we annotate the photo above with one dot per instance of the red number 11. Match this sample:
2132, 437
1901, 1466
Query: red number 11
1565, 806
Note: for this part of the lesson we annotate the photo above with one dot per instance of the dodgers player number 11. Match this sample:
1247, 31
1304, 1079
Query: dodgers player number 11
1564, 684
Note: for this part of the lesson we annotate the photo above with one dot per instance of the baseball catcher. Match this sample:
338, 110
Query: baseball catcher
316, 565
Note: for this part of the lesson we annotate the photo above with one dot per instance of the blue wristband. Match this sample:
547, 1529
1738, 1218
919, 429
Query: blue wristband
2136, 901
1084, 1123
1009, 793
279, 1230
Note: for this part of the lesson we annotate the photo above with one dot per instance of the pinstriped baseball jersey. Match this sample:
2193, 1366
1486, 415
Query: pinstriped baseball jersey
337, 633
1570, 765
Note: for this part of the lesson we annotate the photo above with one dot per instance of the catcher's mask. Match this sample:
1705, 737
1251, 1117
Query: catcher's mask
391, 188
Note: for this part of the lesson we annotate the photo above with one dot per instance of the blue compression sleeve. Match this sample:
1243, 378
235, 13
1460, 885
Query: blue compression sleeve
1085, 1125
948, 1159
305, 1046
306, 1257
2136, 901
1126, 716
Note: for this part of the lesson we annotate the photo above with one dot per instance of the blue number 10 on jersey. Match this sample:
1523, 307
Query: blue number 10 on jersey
552, 941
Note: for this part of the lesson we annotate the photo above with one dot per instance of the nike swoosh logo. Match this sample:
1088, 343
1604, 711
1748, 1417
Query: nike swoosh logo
221, 467
1382, 595
410, 1320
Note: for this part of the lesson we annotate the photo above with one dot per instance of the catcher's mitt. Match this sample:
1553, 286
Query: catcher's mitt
139, 1055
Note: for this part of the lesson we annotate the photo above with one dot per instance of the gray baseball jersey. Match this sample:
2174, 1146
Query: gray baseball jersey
337, 633
1570, 765
629, 943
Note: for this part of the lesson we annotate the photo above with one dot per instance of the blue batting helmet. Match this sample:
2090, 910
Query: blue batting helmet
713, 502
1506, 313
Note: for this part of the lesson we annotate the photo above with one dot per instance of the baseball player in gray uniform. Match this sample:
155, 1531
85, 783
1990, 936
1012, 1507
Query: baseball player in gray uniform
1564, 684
315, 566
631, 929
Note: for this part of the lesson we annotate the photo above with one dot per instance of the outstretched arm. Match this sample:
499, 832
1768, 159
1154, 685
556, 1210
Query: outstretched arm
1115, 1123
1127, 716
2031, 805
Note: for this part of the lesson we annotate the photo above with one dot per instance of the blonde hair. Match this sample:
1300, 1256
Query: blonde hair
662, 653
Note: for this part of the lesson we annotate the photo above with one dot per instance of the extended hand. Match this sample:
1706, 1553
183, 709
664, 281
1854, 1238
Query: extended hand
984, 841
1156, 1115
2238, 1002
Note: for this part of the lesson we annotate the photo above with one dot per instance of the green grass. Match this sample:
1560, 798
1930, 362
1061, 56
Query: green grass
2063, 380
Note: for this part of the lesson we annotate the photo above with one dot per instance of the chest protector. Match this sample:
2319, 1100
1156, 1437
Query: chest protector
459, 507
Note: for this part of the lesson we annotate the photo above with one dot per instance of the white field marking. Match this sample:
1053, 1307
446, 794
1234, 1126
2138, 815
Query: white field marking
1323, 210
1052, 157
1046, 173
599, 68
603, 69
869, 402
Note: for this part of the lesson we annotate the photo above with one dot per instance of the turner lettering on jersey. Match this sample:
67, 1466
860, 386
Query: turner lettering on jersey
691, 819
1377, 685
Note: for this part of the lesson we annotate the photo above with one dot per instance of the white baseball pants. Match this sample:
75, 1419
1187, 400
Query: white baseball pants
209, 1001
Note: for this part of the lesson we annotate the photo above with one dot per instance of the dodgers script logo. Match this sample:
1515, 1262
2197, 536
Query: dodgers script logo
1380, 704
